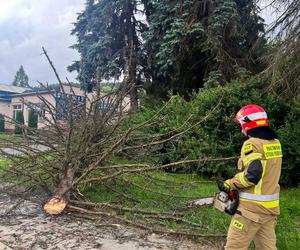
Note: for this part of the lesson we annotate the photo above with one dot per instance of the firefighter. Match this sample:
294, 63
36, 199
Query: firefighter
257, 181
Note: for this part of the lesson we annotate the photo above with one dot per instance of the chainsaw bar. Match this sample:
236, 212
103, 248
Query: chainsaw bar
201, 202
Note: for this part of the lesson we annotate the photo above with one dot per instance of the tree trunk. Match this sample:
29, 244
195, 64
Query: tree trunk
132, 47
60, 199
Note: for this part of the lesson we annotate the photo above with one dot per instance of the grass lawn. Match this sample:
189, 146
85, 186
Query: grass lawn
4, 163
9, 137
288, 227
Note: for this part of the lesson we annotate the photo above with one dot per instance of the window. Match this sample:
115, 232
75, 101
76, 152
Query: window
16, 109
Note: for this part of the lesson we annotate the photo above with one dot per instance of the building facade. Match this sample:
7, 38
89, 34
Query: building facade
16, 99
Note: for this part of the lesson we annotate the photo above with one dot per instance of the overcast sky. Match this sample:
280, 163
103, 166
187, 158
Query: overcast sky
27, 25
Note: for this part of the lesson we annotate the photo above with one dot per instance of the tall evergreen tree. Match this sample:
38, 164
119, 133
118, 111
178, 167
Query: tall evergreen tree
184, 45
194, 43
21, 79
109, 44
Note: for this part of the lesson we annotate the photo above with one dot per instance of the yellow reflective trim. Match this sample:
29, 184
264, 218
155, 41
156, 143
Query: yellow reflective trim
262, 177
263, 122
237, 224
258, 187
266, 204
272, 150
247, 148
243, 180
252, 157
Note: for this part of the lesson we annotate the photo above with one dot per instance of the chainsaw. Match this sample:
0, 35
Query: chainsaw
223, 201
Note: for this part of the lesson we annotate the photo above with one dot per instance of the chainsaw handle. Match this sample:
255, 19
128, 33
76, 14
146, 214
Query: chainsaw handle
233, 195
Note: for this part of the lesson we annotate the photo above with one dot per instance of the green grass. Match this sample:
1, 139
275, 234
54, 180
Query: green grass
9, 138
193, 186
288, 227
184, 187
4, 163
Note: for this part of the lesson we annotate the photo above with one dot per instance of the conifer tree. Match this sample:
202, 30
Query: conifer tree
21, 79
183, 46
192, 44
109, 45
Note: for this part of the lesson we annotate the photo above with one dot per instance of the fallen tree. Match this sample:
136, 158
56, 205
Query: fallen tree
100, 146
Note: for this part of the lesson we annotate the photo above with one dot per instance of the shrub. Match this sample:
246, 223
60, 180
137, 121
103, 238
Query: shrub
2, 123
32, 119
19, 120
219, 136
290, 140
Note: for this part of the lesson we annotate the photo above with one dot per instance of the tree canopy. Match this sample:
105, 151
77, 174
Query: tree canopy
183, 46
167, 45
110, 45
191, 44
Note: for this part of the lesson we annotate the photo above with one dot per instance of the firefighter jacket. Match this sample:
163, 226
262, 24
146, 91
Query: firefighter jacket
257, 180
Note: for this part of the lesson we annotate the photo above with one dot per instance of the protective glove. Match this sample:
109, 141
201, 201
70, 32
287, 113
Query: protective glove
224, 186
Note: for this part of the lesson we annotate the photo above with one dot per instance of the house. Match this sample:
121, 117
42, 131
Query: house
6, 94
15, 99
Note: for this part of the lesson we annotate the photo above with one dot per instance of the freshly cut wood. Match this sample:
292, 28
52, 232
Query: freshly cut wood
55, 206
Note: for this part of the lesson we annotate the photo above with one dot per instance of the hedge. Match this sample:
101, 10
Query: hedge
19, 120
2, 123
219, 136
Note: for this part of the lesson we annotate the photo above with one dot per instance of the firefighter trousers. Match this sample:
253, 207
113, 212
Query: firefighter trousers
250, 227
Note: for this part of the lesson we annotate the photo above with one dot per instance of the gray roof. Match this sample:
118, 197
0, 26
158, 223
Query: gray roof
12, 89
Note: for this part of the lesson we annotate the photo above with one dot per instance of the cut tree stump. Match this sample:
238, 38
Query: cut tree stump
55, 206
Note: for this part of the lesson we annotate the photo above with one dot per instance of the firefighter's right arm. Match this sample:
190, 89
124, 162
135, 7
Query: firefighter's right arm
249, 177
251, 173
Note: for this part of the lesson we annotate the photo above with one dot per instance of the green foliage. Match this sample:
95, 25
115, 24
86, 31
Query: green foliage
2, 123
32, 119
218, 136
21, 79
19, 120
107, 34
191, 44
290, 139
186, 44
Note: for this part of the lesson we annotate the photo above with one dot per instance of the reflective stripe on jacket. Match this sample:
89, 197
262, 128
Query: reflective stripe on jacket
259, 169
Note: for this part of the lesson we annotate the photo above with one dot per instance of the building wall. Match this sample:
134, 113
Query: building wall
5, 110
23, 101
32, 98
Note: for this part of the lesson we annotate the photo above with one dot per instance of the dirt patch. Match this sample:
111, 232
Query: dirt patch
23, 225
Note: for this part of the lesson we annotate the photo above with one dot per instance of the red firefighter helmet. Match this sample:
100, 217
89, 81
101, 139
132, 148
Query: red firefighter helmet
251, 116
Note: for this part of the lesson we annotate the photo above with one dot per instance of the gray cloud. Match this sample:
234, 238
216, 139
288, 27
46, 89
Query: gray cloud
26, 26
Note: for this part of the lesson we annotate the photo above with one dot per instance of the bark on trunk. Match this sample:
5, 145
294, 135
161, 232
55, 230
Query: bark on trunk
58, 202
132, 57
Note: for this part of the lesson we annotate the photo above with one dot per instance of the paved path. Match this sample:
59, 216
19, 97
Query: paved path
23, 225
12, 151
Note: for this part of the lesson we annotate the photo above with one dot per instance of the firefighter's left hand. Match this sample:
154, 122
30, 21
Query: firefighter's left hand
224, 186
